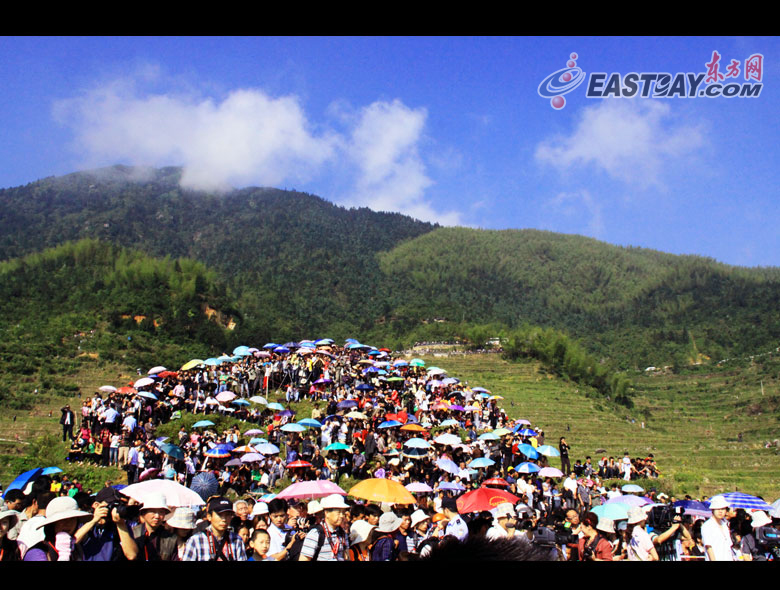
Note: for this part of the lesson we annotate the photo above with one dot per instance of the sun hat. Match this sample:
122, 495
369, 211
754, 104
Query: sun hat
183, 518
314, 507
505, 510
62, 508
333, 501
389, 522
419, 516
360, 531
259, 509
12, 514
606, 525
718, 502
155, 501
636, 515
759, 518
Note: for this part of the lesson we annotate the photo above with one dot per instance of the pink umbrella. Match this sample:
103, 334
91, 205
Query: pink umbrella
310, 490
629, 500
175, 494
418, 487
226, 396
550, 472
252, 457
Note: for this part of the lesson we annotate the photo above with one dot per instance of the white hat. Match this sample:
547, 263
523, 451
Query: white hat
62, 508
259, 509
606, 525
718, 502
636, 515
389, 522
12, 514
313, 507
360, 531
505, 510
760, 518
333, 501
183, 518
155, 501
418, 516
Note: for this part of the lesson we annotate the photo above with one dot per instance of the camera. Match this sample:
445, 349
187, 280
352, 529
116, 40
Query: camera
125, 511
768, 536
661, 518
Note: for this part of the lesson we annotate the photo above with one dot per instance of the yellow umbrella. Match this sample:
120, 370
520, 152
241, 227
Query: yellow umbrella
191, 365
357, 415
382, 490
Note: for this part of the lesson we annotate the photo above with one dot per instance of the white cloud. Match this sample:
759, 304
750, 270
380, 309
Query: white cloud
631, 140
577, 207
251, 138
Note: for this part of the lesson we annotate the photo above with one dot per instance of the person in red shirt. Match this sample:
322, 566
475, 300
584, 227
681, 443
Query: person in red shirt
593, 546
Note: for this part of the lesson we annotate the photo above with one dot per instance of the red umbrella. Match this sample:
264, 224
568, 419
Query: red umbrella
125, 390
297, 464
484, 499
496, 481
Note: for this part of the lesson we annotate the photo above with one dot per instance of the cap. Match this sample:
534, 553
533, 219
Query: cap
220, 504
109, 495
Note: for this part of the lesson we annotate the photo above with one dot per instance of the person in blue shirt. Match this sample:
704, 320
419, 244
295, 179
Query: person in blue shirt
456, 526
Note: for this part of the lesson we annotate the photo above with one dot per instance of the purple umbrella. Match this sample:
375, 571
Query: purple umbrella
629, 500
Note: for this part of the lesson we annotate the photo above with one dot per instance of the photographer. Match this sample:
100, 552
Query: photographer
754, 545
593, 546
669, 543
107, 536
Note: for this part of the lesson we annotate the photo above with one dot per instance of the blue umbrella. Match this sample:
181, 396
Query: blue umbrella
275, 406
417, 443
527, 468
22, 480
346, 404
528, 451
364, 387
451, 486
481, 462
450, 422
204, 484
203, 423
526, 432
267, 449
389, 424
241, 351
549, 451
172, 450
310, 423
293, 427
51, 471
415, 453
281, 350
611, 511
270, 345
212, 362
746, 501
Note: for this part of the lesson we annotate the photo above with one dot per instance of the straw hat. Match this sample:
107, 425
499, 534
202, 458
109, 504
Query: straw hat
62, 508
606, 525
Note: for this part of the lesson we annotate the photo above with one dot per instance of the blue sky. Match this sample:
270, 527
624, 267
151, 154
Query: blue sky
446, 129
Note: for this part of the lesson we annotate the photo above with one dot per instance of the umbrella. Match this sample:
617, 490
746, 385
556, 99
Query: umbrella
293, 427
191, 364
155, 370
172, 450
347, 404
275, 406
22, 480
417, 443
694, 508
147, 395
175, 494
527, 468
615, 511
233, 463
267, 449
418, 487
364, 387
323, 381
411, 427
253, 431
51, 471
359, 416
528, 451
298, 464
523, 422
241, 402
451, 486
481, 462
126, 390
107, 388
217, 453
526, 432
484, 499
548, 451
143, 382
309, 490
251, 457
226, 396
632, 488
746, 501
390, 424
257, 441
550, 472
148, 474
450, 422
629, 500
270, 345
415, 453
258, 399
382, 490
205, 484
337, 446
489, 436
310, 423
203, 423
241, 351
212, 362
447, 439
481, 390
496, 481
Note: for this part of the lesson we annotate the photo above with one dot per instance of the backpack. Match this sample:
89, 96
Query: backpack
294, 553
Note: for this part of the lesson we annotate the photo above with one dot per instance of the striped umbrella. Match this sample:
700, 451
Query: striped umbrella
746, 501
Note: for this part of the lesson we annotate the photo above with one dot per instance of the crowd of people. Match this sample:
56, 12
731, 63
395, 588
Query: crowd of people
372, 416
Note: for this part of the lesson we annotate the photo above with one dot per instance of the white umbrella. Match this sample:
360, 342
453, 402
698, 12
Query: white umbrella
143, 382
107, 388
258, 399
175, 493
226, 396
155, 370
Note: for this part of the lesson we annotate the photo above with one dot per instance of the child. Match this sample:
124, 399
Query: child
260, 543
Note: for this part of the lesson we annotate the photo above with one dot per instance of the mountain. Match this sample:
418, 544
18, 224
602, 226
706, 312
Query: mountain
297, 266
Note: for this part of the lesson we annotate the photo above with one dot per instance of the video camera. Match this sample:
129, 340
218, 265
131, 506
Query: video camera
125, 511
662, 518
547, 537
768, 536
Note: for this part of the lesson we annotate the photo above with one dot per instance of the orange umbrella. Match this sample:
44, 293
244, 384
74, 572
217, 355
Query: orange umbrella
378, 489
413, 427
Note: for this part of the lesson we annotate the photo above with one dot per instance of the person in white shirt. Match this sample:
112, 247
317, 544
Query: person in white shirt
504, 522
715, 533
641, 547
